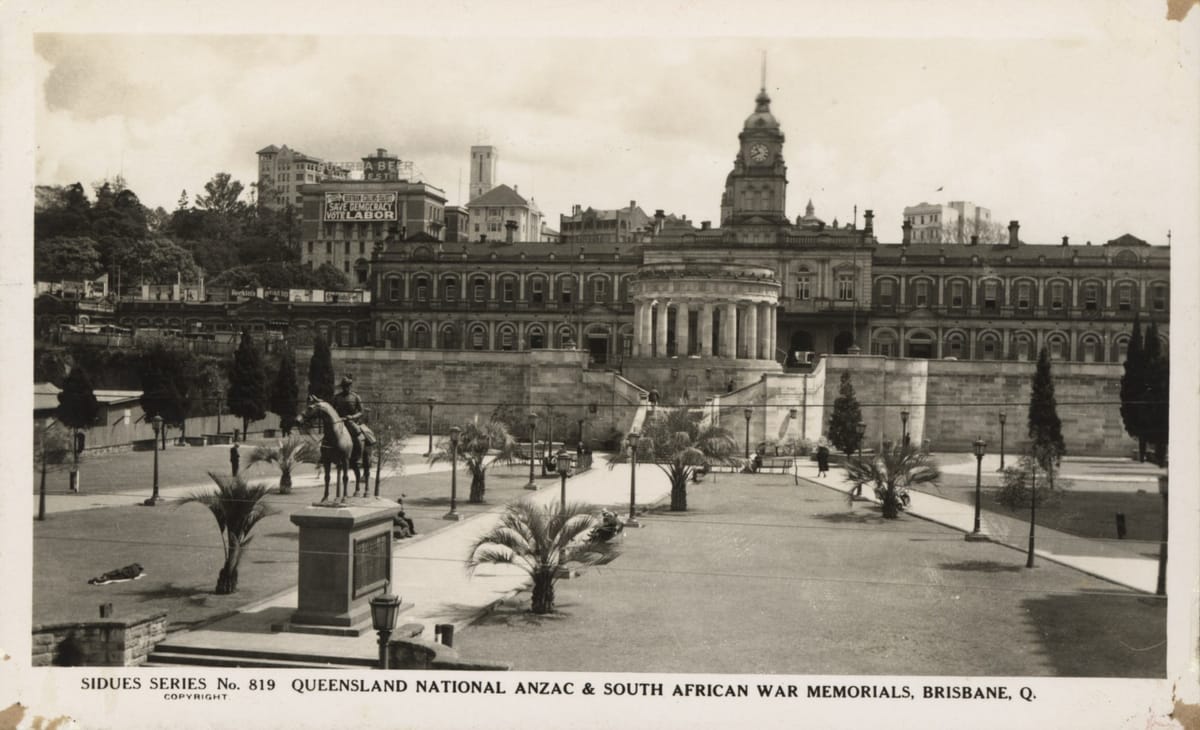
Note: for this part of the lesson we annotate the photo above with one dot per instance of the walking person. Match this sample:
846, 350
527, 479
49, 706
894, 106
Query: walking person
234, 458
822, 460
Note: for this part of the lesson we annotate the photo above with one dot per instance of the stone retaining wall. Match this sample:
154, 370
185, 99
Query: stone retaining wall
99, 643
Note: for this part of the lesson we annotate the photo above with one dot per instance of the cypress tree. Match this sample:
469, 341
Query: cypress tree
1155, 420
77, 409
1045, 428
285, 391
247, 394
843, 423
320, 370
1133, 387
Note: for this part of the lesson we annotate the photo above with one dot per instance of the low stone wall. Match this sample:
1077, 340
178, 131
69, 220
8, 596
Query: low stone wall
105, 642
418, 653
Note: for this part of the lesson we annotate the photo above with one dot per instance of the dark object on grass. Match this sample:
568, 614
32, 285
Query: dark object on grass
402, 524
133, 571
610, 526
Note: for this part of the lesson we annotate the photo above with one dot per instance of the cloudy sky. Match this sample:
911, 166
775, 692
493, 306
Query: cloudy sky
1079, 133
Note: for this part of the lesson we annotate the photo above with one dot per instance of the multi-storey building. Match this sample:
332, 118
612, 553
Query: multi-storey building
501, 214
281, 172
958, 221
620, 225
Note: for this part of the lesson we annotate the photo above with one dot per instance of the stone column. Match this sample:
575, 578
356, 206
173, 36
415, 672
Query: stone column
729, 330
752, 331
637, 329
773, 330
704, 331
663, 312
681, 329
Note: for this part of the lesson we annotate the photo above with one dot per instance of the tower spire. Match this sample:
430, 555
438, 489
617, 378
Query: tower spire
764, 71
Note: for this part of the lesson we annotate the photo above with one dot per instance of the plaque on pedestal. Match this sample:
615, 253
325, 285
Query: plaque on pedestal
345, 559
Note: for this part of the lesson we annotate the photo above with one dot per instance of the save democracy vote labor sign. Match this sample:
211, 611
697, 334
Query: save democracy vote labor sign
360, 206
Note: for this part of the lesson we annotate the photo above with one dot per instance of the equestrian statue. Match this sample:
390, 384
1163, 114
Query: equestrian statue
346, 443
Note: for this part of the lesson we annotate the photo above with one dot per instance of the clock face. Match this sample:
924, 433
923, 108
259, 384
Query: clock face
758, 153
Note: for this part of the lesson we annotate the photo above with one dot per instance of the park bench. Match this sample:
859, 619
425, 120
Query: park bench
776, 464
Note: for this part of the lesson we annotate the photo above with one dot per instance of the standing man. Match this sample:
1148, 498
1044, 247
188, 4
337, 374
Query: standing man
349, 406
234, 458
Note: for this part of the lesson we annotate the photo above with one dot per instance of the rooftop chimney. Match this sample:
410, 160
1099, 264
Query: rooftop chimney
1014, 233
869, 222
632, 205
705, 225
380, 152
974, 239
906, 232
1065, 241
510, 230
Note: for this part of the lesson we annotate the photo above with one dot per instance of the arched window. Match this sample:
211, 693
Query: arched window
1023, 344
421, 288
479, 286
478, 337
955, 345
449, 288
1091, 349
566, 338
989, 346
507, 336
420, 336
1057, 345
391, 335
537, 337
448, 337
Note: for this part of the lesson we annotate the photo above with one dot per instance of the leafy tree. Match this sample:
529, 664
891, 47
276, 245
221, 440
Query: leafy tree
287, 455
237, 507
77, 409
1156, 412
158, 221
117, 212
843, 422
154, 260
1045, 428
1018, 486
222, 195
168, 374
285, 393
677, 443
1133, 387
896, 465
320, 369
329, 278
391, 426
476, 444
540, 541
69, 259
247, 395
239, 277
62, 212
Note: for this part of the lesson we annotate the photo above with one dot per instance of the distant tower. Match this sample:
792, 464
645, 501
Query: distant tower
483, 170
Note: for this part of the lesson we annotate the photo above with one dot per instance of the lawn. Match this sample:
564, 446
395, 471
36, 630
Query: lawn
765, 577
180, 548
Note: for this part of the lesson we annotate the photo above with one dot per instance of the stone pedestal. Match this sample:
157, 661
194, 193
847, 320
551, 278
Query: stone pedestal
345, 559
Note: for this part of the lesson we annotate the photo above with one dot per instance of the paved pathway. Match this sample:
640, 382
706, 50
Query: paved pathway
429, 574
1124, 562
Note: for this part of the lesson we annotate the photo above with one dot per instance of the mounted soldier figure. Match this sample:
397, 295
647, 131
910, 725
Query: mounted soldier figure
349, 407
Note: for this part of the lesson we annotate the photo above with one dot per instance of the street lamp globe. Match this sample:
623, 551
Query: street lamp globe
384, 609
978, 447
564, 461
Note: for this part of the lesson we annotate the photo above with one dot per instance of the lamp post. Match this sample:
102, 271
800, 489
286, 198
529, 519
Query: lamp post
453, 513
384, 608
430, 402
978, 447
154, 498
564, 466
792, 412
1003, 417
904, 427
633, 447
748, 413
532, 445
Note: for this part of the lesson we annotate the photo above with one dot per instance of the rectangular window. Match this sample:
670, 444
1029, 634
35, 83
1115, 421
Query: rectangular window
989, 295
845, 287
922, 295
1091, 297
1024, 295
1057, 295
567, 291
362, 248
329, 248
449, 289
478, 290
885, 292
506, 340
347, 248
956, 293
422, 290
394, 289
1160, 298
508, 287
803, 288
1125, 297
600, 290
537, 290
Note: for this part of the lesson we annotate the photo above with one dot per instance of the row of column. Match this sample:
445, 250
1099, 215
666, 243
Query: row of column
746, 331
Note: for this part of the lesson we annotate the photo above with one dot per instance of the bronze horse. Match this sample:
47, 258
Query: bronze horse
337, 448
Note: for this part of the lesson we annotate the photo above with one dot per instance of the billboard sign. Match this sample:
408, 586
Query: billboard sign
360, 207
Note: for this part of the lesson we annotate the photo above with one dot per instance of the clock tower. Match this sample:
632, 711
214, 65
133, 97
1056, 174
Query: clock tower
756, 189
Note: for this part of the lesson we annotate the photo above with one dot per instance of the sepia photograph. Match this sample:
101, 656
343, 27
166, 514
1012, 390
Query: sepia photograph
756, 366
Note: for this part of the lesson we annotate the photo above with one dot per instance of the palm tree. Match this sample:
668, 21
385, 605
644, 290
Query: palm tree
677, 442
286, 455
237, 508
896, 465
480, 446
540, 541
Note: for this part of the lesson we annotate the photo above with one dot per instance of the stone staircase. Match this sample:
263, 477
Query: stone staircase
167, 654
